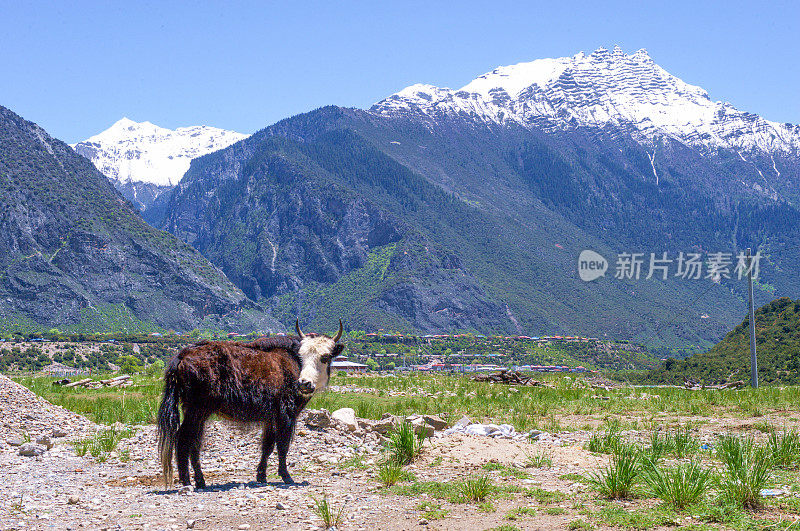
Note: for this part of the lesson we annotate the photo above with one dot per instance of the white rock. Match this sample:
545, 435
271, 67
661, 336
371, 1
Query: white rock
346, 417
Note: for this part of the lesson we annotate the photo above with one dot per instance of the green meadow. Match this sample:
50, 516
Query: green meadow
565, 403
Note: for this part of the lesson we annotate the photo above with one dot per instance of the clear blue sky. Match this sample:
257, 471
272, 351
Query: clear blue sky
77, 67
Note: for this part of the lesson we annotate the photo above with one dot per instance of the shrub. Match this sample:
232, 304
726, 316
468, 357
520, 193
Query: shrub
680, 486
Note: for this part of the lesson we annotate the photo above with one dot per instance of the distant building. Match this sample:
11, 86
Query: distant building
340, 363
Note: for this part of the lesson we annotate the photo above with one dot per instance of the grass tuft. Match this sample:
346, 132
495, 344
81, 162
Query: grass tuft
404, 445
747, 470
679, 486
784, 448
476, 489
390, 473
330, 515
539, 459
618, 479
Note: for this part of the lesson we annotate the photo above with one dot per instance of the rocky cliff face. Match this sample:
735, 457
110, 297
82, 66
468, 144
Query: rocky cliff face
75, 255
294, 231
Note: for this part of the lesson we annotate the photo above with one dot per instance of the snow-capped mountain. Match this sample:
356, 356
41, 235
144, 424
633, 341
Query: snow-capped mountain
604, 88
142, 159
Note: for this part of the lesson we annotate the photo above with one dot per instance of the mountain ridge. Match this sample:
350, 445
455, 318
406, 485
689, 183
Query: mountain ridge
598, 89
144, 160
75, 255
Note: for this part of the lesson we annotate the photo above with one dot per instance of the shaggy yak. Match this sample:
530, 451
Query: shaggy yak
268, 381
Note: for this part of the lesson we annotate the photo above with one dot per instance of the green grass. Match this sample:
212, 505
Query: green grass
545, 496
432, 511
476, 489
390, 473
133, 405
784, 448
404, 445
456, 395
679, 486
104, 442
748, 468
615, 516
539, 459
580, 525
517, 512
505, 471
617, 480
331, 516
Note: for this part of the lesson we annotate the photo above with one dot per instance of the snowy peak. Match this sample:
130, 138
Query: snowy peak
604, 88
141, 152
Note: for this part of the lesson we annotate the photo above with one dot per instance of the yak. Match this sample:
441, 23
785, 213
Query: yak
267, 381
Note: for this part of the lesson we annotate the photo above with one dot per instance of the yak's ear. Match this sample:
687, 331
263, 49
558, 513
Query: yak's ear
337, 349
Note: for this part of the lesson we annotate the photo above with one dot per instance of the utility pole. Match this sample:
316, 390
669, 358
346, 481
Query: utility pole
753, 359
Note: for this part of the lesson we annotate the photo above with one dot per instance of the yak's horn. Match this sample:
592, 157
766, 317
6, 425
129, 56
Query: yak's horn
339, 333
297, 329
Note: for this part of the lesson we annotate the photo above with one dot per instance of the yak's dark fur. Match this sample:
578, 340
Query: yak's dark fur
248, 382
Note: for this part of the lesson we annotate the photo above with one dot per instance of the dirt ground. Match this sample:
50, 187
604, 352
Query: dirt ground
61, 490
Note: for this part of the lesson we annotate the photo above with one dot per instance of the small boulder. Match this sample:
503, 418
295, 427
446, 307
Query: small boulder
15, 441
73, 499
463, 422
346, 417
384, 426
436, 422
422, 428
280, 506
31, 450
45, 441
58, 432
318, 418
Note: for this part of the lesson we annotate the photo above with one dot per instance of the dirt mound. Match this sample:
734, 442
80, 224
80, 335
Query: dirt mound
25, 413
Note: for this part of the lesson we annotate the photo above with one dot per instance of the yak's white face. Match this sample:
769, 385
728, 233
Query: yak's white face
316, 353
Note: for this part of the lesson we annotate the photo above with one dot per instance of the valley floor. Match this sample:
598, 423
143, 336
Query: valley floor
537, 484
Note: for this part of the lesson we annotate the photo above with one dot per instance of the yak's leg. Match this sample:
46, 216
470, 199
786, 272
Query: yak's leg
188, 441
267, 445
283, 439
194, 456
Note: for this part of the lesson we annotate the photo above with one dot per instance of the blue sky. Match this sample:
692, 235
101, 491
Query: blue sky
75, 68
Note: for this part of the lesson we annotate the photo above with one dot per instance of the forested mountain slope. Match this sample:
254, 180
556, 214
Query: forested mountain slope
777, 349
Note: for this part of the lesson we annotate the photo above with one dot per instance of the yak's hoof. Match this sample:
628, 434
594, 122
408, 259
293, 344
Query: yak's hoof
200, 484
261, 478
287, 479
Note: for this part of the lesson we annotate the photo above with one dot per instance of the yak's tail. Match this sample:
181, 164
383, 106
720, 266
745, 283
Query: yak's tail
169, 420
